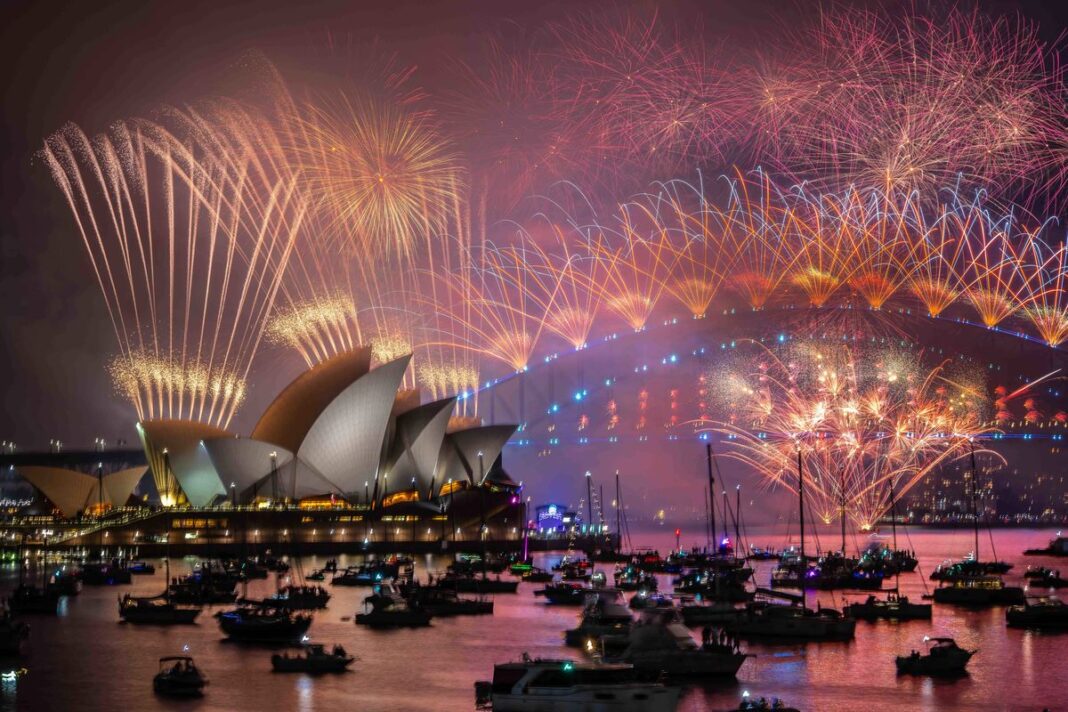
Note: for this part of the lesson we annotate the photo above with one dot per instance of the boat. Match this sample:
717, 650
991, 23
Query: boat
1056, 547
295, 598
968, 567
604, 614
388, 609
632, 578
762, 704
889, 561
716, 584
659, 643
12, 633
65, 582
944, 657
140, 568
314, 660
761, 553
536, 575
763, 620
478, 563
255, 624
179, 676
564, 593
444, 602
469, 583
893, 607
1040, 614
365, 575
979, 591
712, 613
27, 598
643, 600
1045, 578
156, 610
201, 593
317, 575
536, 685
106, 573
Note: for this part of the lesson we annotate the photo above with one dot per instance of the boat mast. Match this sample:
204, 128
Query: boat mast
589, 500
893, 528
619, 521
975, 500
841, 487
711, 498
801, 502
737, 516
726, 509
482, 510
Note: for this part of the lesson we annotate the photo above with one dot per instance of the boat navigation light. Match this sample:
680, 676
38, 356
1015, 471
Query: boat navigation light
304, 639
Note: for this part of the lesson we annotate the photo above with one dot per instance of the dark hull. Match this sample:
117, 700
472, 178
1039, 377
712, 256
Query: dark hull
385, 620
164, 616
284, 631
1008, 596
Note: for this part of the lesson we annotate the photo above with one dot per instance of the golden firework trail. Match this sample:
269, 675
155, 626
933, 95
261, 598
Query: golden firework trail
188, 240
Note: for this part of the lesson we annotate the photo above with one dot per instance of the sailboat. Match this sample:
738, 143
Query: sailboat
894, 606
795, 621
156, 610
975, 586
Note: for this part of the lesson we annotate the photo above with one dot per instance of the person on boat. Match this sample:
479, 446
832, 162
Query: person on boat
340, 651
706, 635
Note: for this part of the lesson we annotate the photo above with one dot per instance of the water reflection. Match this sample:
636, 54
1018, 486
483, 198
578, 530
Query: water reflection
85, 660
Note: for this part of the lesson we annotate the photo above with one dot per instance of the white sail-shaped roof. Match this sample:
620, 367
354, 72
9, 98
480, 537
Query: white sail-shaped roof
247, 465
118, 486
459, 452
346, 442
69, 490
417, 444
73, 491
243, 462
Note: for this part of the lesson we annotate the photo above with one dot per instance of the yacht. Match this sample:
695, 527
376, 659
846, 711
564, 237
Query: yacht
536, 575
893, 607
155, 610
390, 610
443, 602
535, 685
314, 660
762, 620
709, 613
263, 625
605, 614
979, 591
179, 676
564, 593
968, 567
944, 657
469, 583
1040, 614
106, 573
1056, 547
660, 643
296, 598
716, 585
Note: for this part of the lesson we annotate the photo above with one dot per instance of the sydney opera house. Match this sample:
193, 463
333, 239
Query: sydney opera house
343, 454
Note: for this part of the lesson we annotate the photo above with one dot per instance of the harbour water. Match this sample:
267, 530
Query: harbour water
85, 659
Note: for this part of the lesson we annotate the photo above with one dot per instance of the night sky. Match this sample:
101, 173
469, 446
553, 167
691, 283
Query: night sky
67, 62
